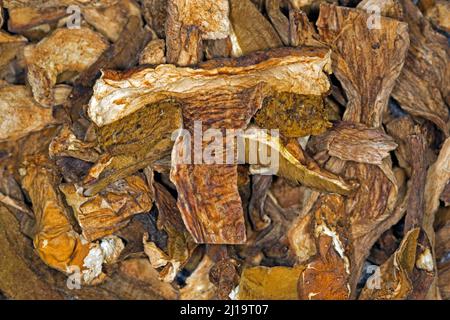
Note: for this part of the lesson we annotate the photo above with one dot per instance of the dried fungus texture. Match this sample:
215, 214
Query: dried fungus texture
262, 283
301, 71
188, 22
356, 142
64, 50
11, 47
145, 137
251, 31
111, 20
294, 115
368, 73
224, 150
180, 244
422, 88
111, 209
20, 113
29, 19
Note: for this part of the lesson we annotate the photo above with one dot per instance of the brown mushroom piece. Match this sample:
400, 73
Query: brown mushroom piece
284, 70
20, 114
64, 50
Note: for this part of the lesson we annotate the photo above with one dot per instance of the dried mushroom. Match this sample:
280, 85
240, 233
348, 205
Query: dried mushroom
55, 240
20, 114
65, 50
224, 150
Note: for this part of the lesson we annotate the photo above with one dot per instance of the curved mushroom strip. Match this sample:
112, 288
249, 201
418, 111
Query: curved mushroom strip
299, 70
63, 50
20, 114
56, 242
292, 163
423, 87
356, 142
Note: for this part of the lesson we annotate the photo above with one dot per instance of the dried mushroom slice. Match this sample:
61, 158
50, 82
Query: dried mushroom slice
263, 283
20, 114
327, 275
26, 19
395, 282
293, 115
355, 142
11, 46
293, 164
209, 201
111, 209
251, 31
278, 19
301, 71
111, 20
423, 86
367, 73
190, 22
64, 50
55, 240
133, 143
180, 244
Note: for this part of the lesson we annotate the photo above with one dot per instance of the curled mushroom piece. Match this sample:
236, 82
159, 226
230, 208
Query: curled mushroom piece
56, 242
302, 71
64, 50
109, 211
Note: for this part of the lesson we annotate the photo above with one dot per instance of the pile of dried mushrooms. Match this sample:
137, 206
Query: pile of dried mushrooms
106, 193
